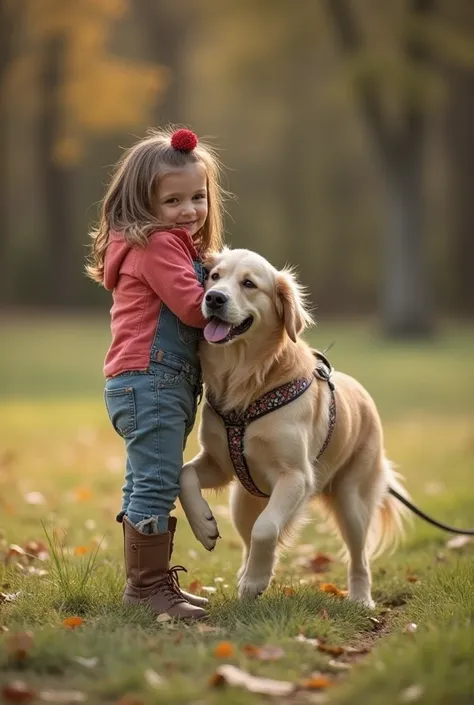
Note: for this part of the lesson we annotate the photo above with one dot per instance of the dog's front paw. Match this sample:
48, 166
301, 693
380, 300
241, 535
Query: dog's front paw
202, 523
252, 587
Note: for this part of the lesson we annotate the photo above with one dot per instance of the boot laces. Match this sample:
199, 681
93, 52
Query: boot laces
169, 584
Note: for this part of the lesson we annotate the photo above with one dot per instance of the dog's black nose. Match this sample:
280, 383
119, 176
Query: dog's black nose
215, 300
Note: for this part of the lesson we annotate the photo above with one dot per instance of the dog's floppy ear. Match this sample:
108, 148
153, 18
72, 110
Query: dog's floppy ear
291, 305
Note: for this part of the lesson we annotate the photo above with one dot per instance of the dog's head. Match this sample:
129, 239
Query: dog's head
245, 296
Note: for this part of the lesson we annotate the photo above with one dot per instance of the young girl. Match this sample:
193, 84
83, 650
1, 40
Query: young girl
161, 215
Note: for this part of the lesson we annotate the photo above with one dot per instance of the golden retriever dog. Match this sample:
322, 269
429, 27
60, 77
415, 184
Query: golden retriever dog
252, 346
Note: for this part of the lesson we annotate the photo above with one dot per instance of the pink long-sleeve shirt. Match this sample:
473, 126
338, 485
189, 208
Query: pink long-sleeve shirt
141, 280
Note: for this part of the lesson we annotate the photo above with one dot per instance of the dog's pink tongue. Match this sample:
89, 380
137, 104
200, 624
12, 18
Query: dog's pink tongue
216, 330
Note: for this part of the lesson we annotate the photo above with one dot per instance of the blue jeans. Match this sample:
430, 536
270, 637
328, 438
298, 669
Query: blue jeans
154, 412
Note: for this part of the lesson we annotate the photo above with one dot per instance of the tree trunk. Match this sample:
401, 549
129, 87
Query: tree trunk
405, 309
59, 269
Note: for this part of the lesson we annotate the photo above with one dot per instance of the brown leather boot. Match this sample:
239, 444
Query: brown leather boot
150, 581
192, 599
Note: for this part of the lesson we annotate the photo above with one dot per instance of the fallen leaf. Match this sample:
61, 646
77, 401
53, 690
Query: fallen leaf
82, 494
3, 629
410, 628
163, 618
263, 653
376, 623
17, 692
287, 590
317, 682
305, 640
333, 650
87, 662
195, 587
62, 696
233, 676
218, 580
458, 541
73, 622
8, 597
203, 628
357, 650
81, 550
224, 649
332, 590
209, 589
320, 563
153, 679
339, 665
412, 693
19, 645
34, 498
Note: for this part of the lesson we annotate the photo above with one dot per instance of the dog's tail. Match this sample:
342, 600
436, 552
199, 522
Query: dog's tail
388, 526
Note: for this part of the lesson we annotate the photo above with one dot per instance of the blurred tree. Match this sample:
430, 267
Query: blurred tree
405, 300
85, 90
456, 39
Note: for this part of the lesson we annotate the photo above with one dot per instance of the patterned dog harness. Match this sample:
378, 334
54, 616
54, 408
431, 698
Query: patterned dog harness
236, 422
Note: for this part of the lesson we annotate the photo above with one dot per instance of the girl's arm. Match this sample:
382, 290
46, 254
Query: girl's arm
167, 267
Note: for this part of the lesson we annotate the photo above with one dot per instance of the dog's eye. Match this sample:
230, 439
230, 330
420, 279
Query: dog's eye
248, 284
215, 276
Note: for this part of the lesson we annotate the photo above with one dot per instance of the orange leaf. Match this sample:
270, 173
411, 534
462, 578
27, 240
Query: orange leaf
332, 590
412, 578
82, 494
73, 622
263, 653
224, 649
81, 550
195, 587
19, 645
17, 692
316, 683
320, 563
333, 650
287, 590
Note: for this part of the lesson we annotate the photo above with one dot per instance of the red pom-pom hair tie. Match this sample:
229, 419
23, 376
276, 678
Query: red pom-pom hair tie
184, 140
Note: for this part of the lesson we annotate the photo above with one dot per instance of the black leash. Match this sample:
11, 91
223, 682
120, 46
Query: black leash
430, 520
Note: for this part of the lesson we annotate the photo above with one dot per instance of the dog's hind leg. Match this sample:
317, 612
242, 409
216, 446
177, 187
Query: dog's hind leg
244, 510
353, 506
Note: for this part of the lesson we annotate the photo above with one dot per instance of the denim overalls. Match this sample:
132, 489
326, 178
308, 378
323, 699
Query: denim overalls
154, 411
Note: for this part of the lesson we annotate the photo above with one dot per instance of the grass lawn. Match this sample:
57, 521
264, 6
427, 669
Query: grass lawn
61, 469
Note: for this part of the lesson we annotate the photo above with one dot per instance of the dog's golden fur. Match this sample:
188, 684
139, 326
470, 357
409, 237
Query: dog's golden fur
351, 478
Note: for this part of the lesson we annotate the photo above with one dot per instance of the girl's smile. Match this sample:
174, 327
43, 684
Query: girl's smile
182, 197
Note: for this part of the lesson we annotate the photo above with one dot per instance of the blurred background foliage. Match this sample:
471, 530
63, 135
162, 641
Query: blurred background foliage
346, 128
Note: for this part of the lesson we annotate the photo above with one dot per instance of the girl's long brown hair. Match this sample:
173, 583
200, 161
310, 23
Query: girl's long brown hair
128, 204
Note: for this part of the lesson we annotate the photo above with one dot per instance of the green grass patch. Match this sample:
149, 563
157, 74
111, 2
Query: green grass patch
61, 466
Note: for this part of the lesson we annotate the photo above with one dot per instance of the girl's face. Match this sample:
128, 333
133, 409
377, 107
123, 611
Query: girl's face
182, 197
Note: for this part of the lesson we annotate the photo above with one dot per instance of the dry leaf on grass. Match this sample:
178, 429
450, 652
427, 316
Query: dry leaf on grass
412, 693
73, 622
224, 649
163, 618
458, 541
287, 590
263, 653
316, 682
195, 587
17, 692
8, 596
19, 645
153, 678
333, 650
320, 563
203, 628
87, 662
62, 696
210, 589
410, 628
339, 665
230, 675
305, 640
332, 590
